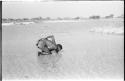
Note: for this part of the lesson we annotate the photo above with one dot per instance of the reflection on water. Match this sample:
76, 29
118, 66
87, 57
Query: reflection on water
49, 63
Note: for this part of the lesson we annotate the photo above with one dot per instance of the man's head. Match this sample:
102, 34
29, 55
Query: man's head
59, 47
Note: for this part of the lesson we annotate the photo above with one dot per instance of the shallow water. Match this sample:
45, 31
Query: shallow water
85, 54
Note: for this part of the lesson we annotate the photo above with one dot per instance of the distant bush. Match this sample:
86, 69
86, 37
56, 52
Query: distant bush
121, 16
110, 16
58, 18
4, 20
7, 20
67, 18
76, 18
48, 18
94, 17
25, 19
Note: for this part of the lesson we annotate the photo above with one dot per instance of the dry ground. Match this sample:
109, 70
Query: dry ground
85, 54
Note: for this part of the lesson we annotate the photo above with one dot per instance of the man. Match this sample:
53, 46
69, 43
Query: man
48, 45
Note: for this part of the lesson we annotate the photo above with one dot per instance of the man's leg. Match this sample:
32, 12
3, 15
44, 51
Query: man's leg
52, 51
46, 50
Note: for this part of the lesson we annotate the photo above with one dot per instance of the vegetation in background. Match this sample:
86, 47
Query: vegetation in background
39, 19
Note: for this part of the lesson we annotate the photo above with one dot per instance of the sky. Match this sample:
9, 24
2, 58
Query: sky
30, 9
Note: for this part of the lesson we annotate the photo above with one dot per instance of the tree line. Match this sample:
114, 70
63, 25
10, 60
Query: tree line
37, 19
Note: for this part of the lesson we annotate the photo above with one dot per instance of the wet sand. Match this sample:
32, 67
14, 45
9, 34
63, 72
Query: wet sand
85, 54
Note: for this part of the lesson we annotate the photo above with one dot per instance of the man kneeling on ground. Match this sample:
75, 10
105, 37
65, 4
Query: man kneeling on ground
48, 45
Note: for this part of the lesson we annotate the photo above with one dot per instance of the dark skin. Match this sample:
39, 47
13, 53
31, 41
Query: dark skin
46, 44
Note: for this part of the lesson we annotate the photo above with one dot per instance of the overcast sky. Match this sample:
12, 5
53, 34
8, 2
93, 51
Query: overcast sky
61, 9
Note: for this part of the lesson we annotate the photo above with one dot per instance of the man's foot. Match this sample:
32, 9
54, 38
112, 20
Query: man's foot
39, 53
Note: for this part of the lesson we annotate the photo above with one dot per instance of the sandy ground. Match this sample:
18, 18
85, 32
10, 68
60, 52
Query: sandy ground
85, 54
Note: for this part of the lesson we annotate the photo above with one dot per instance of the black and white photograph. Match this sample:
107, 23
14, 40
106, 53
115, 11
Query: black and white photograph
63, 40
